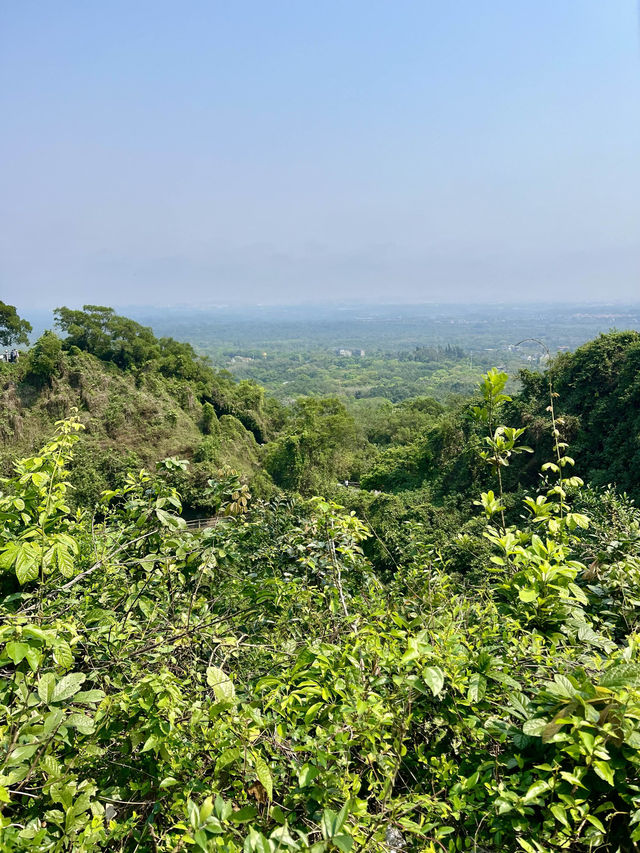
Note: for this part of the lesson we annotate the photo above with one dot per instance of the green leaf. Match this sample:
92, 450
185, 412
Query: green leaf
434, 679
194, 814
62, 654
527, 595
46, 685
477, 687
51, 766
264, 775
21, 753
8, 555
535, 790
27, 568
152, 742
221, 684
604, 771
244, 815
52, 720
341, 817
67, 686
535, 727
621, 675
227, 757
572, 779
526, 846
560, 814
33, 658
307, 774
343, 842
206, 809
594, 821
327, 823
16, 651
35, 633
86, 697
578, 594
81, 722
561, 686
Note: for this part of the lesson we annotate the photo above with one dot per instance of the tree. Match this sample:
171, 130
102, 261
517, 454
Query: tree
44, 357
13, 329
103, 333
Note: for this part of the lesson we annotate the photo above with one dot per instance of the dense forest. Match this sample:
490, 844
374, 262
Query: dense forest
397, 625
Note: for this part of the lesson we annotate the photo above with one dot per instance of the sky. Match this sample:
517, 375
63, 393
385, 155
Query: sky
263, 151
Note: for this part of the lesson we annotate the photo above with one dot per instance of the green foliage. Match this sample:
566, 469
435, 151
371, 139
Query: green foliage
13, 329
376, 672
45, 357
256, 686
112, 338
316, 448
209, 419
599, 393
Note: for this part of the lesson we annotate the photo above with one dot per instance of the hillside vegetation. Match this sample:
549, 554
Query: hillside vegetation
450, 664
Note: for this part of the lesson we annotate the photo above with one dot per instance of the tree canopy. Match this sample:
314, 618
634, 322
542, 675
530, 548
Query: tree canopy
13, 329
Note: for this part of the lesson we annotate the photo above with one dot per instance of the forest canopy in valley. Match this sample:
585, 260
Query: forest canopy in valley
235, 623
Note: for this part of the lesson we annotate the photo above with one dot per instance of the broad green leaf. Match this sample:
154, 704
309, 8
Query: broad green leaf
67, 686
477, 687
221, 684
46, 685
81, 722
27, 568
33, 658
244, 815
194, 814
341, 817
227, 757
620, 676
604, 771
327, 823
343, 842
264, 775
51, 766
572, 779
89, 696
52, 720
21, 753
307, 774
535, 727
152, 742
561, 686
62, 654
434, 679
559, 813
594, 821
527, 595
578, 594
535, 790
16, 650
35, 633
206, 809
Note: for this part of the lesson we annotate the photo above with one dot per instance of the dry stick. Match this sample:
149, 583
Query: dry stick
375, 533
552, 410
183, 633
100, 562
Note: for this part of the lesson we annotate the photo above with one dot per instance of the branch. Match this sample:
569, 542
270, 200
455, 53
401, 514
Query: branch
97, 565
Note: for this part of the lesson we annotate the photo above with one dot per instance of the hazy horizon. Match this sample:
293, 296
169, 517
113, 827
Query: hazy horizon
243, 154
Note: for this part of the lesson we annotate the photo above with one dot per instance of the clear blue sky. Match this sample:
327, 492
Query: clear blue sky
165, 152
